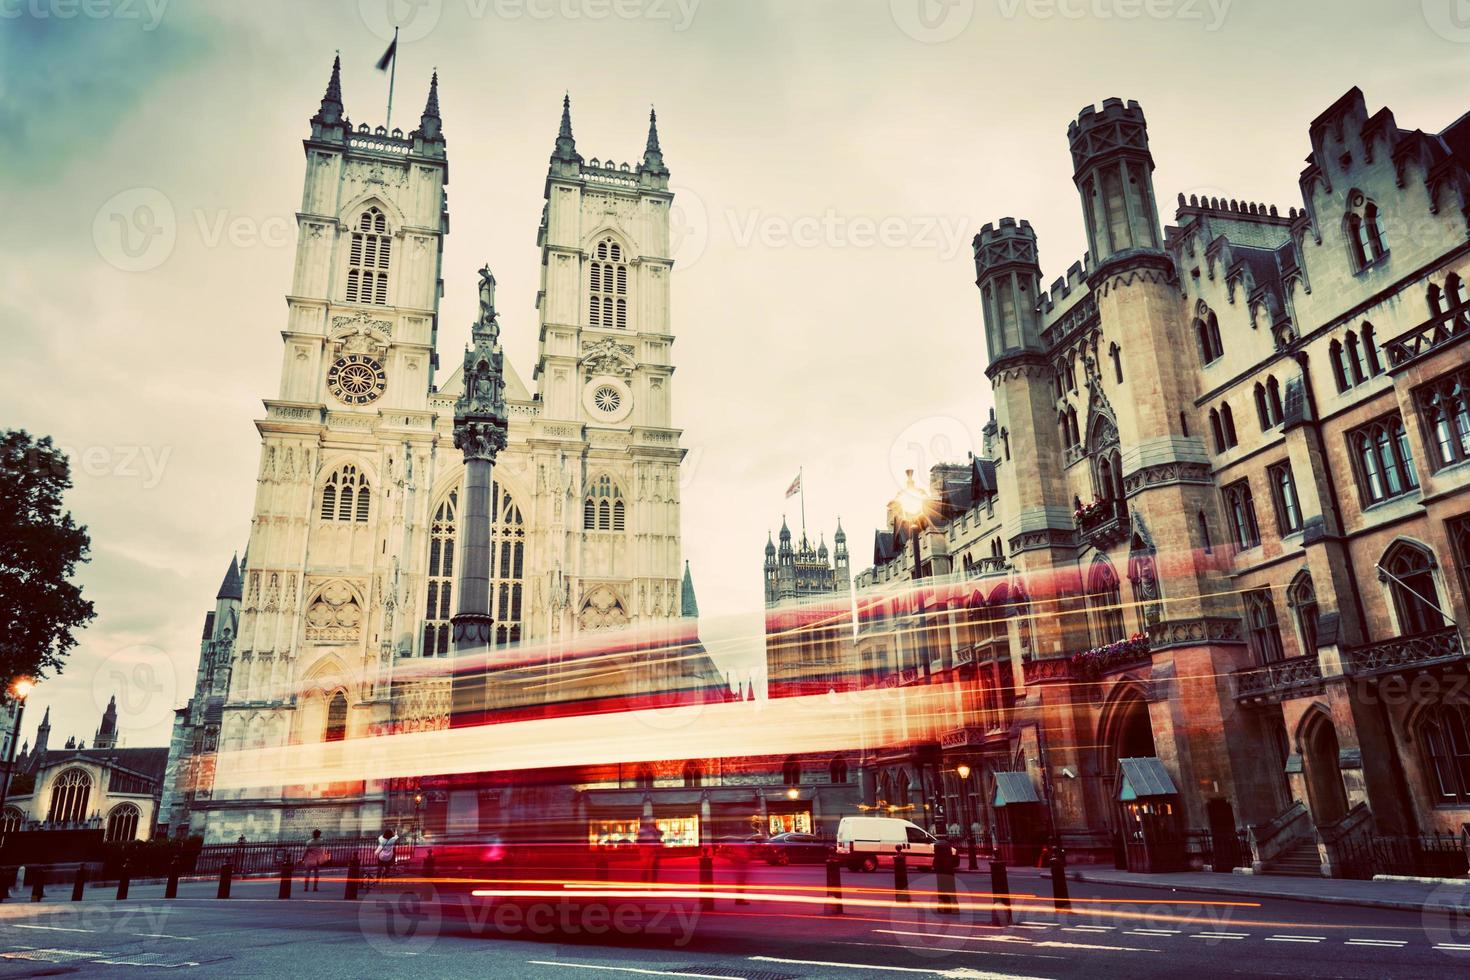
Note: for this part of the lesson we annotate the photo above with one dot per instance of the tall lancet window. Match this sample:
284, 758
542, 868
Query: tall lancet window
604, 510
367, 260
346, 496
507, 570
607, 298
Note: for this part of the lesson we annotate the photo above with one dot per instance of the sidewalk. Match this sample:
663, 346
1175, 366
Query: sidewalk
1405, 895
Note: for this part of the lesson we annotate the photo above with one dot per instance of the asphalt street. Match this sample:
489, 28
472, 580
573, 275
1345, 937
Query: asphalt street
783, 933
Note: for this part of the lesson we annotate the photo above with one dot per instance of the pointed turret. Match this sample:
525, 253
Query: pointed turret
653, 157
330, 119
566, 144
770, 550
231, 588
107, 731
431, 127
688, 605
43, 732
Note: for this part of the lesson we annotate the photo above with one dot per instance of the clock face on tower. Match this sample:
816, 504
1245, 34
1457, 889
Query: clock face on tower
356, 379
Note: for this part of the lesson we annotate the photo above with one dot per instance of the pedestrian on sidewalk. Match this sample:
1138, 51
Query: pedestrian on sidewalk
312, 861
387, 851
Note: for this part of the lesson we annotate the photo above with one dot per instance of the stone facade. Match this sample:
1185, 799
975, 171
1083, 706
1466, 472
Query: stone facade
342, 622
1230, 483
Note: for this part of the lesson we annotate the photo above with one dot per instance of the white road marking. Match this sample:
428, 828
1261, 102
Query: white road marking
1087, 928
630, 969
1453, 946
1153, 932
164, 935
1394, 943
963, 973
18, 925
1219, 935
1294, 939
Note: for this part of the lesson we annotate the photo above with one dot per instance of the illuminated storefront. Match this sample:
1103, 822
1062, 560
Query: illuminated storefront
678, 831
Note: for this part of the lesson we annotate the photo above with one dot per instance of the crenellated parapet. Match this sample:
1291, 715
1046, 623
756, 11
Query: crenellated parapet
1113, 171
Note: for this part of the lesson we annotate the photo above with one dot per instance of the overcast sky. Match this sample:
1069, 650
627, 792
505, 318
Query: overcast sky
832, 160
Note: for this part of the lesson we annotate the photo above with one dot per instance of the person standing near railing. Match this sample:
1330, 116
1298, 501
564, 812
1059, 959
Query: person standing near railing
387, 851
311, 863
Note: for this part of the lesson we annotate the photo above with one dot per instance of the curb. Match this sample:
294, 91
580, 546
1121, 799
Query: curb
1368, 903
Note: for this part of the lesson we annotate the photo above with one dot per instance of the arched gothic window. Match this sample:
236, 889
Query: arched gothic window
346, 496
368, 258
693, 774
791, 772
1409, 573
1301, 596
1108, 465
122, 823
604, 509
643, 777
1227, 419
437, 609
12, 820
607, 301
507, 570
1444, 740
1341, 369
1264, 628
1105, 598
1370, 351
1363, 226
70, 794
837, 771
1217, 430
1444, 410
1207, 333
1382, 459
336, 727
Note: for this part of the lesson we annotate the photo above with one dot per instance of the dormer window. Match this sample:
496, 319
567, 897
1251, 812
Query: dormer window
368, 258
607, 301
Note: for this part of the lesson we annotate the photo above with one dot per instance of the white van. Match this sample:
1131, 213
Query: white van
866, 842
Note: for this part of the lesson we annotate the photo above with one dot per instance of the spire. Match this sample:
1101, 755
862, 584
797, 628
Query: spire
688, 605
566, 144
653, 157
230, 588
841, 536
431, 127
107, 731
331, 111
770, 545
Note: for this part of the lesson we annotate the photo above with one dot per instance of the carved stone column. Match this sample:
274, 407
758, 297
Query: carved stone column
480, 433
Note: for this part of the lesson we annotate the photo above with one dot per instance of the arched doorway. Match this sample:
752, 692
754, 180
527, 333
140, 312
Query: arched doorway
1319, 750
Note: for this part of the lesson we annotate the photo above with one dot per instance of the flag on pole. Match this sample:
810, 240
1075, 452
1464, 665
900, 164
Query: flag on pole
389, 55
795, 487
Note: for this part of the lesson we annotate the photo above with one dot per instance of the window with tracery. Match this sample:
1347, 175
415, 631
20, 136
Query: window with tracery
335, 729
1240, 508
1382, 459
1263, 626
70, 794
603, 508
1283, 495
607, 297
1207, 334
1302, 598
122, 823
1105, 597
1444, 413
368, 256
346, 496
1409, 573
1364, 228
507, 570
1444, 739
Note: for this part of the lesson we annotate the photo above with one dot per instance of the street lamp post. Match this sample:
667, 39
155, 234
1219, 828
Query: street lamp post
19, 690
963, 771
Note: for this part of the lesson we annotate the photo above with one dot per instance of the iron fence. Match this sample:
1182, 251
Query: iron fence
256, 857
1421, 856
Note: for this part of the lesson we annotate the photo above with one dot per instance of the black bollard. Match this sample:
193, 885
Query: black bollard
834, 886
706, 882
79, 884
945, 863
1000, 892
354, 870
900, 878
226, 875
171, 890
1059, 898
124, 878
37, 878
286, 871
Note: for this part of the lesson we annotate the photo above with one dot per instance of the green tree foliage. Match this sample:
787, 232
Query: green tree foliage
40, 546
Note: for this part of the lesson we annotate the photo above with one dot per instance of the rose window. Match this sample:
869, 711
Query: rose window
607, 399
357, 379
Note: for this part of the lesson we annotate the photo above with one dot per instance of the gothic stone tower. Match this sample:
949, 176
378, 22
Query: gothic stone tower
339, 444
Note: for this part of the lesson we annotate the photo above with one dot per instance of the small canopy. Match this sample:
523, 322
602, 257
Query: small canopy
1143, 778
1014, 787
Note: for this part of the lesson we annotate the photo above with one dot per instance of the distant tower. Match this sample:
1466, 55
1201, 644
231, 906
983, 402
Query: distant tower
43, 735
688, 604
770, 569
842, 568
106, 737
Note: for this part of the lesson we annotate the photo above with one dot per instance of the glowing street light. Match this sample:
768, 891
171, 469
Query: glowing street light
20, 689
963, 771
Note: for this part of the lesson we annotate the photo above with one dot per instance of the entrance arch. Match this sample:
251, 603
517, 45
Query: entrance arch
1319, 751
1124, 732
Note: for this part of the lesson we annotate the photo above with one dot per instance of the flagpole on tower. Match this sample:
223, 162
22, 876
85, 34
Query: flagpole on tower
392, 58
802, 483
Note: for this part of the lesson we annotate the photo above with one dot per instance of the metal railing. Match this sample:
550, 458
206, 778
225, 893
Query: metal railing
1437, 855
1405, 651
1279, 680
1434, 333
266, 857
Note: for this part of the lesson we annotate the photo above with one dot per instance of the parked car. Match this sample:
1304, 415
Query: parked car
796, 848
748, 846
865, 843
